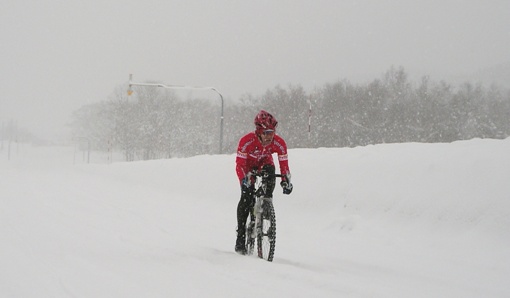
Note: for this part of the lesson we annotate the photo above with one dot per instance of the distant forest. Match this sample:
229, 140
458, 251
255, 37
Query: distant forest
154, 123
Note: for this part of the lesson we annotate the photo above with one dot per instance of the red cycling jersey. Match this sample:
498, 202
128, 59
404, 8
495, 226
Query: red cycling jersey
251, 154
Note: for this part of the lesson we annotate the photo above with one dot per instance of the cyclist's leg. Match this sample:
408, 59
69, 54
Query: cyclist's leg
244, 206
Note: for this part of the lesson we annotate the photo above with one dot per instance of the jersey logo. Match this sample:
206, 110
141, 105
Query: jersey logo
282, 149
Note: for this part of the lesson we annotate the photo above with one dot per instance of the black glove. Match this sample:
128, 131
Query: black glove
286, 185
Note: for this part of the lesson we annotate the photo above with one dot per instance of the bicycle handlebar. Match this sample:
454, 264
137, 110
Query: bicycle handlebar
261, 174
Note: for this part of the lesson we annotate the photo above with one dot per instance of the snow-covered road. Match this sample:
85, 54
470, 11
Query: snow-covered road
393, 220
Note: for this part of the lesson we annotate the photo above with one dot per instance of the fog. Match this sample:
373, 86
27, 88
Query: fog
58, 56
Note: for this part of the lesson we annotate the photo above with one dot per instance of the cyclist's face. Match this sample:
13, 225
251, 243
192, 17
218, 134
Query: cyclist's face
266, 137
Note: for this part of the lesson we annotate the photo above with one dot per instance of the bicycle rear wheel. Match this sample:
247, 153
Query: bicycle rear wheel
266, 236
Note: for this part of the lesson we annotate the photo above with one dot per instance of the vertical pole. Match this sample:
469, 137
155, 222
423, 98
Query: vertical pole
221, 117
17, 140
221, 124
309, 117
130, 91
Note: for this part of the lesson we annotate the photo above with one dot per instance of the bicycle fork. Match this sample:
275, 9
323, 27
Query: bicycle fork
257, 210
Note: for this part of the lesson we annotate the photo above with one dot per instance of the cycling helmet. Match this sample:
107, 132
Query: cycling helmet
265, 121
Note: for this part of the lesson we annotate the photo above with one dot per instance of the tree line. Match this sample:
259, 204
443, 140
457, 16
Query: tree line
155, 123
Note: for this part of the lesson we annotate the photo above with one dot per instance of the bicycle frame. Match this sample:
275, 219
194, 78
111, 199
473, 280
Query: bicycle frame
261, 227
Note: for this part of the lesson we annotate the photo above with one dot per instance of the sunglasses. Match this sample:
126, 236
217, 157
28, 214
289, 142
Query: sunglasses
268, 132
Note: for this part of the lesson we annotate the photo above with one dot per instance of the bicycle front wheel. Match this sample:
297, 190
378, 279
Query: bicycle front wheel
266, 237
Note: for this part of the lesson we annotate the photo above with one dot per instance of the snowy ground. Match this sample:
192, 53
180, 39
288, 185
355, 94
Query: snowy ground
395, 220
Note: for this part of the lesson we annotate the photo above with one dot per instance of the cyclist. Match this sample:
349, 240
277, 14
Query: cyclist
255, 153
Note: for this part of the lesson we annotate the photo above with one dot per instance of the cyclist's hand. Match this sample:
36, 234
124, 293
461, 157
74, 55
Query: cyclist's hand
246, 182
287, 187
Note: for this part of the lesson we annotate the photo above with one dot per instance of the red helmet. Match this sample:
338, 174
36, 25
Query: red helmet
265, 121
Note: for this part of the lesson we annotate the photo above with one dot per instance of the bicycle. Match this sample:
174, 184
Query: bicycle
261, 224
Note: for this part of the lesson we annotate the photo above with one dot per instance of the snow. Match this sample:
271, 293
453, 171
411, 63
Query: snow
391, 220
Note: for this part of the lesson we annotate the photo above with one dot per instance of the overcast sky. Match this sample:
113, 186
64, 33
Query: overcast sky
56, 56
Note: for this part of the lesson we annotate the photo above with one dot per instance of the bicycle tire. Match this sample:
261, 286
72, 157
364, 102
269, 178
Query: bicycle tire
266, 232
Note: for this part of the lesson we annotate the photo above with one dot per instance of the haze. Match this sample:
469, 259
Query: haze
57, 56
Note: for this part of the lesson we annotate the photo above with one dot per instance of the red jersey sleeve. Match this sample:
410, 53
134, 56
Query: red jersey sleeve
280, 147
242, 167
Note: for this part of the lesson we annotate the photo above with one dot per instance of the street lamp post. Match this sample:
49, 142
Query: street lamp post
130, 91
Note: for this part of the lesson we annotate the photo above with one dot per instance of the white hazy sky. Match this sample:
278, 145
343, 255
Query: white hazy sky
56, 56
